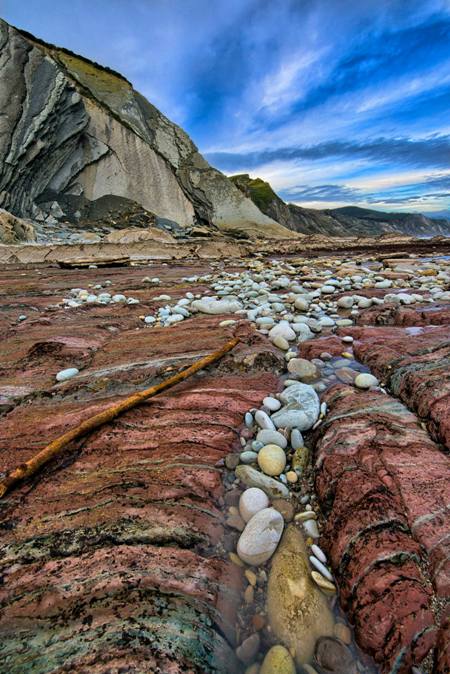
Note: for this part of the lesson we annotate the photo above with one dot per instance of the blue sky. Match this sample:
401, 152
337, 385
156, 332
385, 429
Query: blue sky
335, 102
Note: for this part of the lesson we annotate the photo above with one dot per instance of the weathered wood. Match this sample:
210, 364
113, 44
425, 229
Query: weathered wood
56, 447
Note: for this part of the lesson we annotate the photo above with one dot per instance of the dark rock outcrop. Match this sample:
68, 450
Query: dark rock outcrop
341, 222
73, 132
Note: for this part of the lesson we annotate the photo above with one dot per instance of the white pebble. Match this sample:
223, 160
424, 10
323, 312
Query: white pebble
70, 372
318, 553
320, 567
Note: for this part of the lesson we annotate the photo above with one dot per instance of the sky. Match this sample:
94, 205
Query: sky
334, 102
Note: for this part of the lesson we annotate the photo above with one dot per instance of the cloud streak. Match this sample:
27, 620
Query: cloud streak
317, 95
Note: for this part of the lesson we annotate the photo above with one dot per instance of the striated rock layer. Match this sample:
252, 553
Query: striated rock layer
79, 144
111, 558
383, 484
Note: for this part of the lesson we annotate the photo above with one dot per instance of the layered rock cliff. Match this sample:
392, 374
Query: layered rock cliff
73, 132
347, 221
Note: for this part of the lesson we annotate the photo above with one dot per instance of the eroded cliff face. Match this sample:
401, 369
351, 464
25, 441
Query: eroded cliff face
72, 132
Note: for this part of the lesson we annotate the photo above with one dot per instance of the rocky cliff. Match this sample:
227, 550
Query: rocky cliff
73, 132
347, 221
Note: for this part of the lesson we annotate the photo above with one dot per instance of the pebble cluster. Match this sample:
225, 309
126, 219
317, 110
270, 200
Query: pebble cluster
289, 304
80, 296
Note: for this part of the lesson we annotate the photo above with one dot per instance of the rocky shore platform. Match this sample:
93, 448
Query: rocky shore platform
285, 511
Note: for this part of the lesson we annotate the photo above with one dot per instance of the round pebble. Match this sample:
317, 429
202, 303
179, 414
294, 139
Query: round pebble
269, 437
278, 660
252, 501
64, 375
272, 460
365, 381
321, 568
264, 421
272, 404
261, 536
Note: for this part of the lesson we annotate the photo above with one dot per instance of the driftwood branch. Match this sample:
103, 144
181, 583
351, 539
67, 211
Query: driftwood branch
56, 447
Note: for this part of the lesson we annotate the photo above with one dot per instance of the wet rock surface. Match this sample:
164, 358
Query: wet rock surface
123, 553
116, 548
383, 484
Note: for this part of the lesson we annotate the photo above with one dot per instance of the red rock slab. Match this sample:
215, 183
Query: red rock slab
112, 556
383, 512
416, 315
442, 661
415, 364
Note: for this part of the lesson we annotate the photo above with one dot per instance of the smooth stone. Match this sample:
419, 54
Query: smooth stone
248, 456
292, 416
345, 302
343, 633
248, 649
297, 610
284, 507
309, 669
253, 669
232, 460
327, 290
326, 322
321, 568
301, 304
261, 536
119, 298
254, 478
311, 528
271, 460
303, 332
269, 437
282, 329
64, 375
280, 342
257, 445
272, 404
305, 516
346, 375
364, 302
334, 657
251, 502
306, 397
149, 320
248, 419
296, 439
365, 381
212, 306
318, 553
300, 458
304, 369
235, 522
325, 585
264, 421
291, 477
278, 660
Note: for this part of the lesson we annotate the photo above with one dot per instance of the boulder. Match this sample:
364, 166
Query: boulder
298, 612
14, 230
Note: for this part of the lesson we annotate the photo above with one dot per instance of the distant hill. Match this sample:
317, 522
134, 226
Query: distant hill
346, 221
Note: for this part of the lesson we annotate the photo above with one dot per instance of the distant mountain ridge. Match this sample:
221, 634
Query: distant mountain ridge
346, 221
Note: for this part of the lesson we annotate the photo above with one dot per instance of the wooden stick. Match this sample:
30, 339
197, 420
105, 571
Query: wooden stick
56, 447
